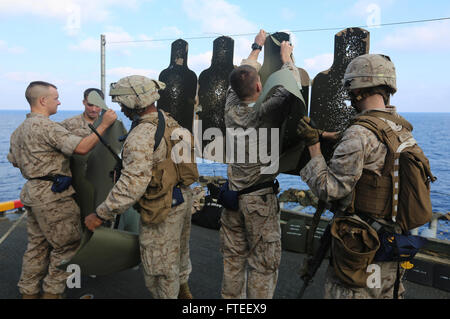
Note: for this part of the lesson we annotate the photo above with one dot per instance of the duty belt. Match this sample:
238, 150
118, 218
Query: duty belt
379, 227
273, 184
60, 182
49, 178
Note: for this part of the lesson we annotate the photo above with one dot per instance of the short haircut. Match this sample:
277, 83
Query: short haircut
35, 90
383, 90
87, 91
242, 80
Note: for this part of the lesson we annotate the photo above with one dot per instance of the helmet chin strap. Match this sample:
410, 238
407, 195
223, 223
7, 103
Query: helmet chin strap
135, 121
355, 106
354, 99
136, 117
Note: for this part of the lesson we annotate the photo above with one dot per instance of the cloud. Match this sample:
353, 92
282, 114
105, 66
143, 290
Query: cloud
429, 37
4, 47
24, 77
169, 31
242, 49
72, 12
318, 63
365, 8
121, 72
87, 45
60, 9
200, 62
118, 40
218, 17
221, 18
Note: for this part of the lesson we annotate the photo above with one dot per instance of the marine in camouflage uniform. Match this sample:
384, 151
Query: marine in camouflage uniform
40, 147
78, 124
164, 246
251, 236
358, 150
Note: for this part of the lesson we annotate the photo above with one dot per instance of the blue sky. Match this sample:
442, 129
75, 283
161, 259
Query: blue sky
58, 41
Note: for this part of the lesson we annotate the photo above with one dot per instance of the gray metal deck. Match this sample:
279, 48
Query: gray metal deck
205, 279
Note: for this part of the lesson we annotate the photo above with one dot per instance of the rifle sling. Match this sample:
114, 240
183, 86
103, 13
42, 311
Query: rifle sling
159, 130
315, 222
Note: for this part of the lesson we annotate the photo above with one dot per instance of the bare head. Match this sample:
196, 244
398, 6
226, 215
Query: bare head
42, 97
246, 83
90, 110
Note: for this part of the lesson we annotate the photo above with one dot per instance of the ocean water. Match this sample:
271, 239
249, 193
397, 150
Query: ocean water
430, 130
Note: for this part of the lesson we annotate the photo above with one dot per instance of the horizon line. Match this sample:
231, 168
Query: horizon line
81, 109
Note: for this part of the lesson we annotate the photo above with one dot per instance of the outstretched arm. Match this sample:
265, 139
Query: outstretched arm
91, 140
260, 39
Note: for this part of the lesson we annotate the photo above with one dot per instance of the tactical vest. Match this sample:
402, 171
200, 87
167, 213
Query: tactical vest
156, 203
402, 192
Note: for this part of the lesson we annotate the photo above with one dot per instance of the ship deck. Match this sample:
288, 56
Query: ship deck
205, 279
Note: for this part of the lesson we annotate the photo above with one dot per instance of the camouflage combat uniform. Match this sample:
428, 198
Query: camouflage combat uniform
358, 149
164, 246
77, 125
251, 237
41, 147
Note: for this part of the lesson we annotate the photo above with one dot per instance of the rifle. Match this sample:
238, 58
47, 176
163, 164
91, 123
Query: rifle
313, 261
115, 174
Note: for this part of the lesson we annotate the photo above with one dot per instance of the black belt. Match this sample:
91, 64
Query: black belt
60, 182
273, 184
379, 227
49, 178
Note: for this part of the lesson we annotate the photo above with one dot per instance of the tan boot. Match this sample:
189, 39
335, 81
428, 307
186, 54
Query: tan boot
47, 295
34, 296
185, 293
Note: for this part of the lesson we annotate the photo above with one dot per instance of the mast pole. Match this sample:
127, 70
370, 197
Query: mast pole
102, 57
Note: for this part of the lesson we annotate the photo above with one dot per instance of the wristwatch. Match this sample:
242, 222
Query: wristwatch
256, 46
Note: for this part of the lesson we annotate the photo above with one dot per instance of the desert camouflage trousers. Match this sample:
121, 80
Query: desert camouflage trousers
165, 251
251, 247
54, 233
335, 289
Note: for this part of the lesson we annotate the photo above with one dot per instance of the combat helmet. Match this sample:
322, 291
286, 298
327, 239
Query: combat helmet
136, 91
370, 70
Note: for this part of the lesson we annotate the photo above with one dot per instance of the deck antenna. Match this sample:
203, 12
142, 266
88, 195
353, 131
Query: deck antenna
102, 58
